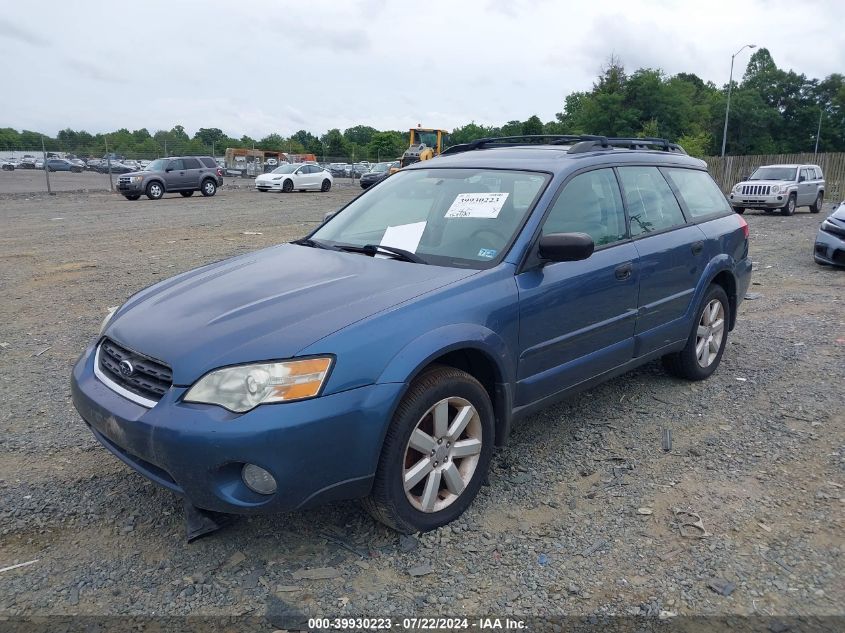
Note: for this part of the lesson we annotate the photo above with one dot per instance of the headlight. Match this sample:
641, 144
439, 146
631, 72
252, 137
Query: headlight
105, 322
737, 188
137, 178
775, 189
244, 387
278, 177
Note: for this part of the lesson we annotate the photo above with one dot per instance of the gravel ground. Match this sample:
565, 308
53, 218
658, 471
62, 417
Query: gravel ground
582, 512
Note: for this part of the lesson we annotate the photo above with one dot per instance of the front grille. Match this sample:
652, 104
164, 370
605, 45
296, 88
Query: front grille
149, 378
756, 190
123, 180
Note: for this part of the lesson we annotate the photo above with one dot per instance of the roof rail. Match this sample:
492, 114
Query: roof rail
580, 143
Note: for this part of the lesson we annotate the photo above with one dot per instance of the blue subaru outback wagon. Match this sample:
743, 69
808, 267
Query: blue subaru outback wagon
384, 355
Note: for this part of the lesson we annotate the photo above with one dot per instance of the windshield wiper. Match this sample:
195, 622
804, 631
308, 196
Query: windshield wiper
306, 241
372, 249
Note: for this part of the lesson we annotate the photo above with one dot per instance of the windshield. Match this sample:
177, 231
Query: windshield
429, 138
285, 169
159, 164
450, 217
774, 173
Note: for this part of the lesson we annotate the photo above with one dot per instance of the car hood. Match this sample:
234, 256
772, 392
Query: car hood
266, 305
270, 176
766, 182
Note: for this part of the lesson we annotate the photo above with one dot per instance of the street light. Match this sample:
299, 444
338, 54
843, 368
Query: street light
730, 85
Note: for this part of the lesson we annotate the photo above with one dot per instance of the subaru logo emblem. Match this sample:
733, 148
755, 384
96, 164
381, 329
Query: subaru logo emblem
126, 368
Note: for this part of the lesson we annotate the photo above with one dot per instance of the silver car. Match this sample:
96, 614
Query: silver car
780, 187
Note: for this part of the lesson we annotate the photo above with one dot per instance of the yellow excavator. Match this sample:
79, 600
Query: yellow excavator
423, 143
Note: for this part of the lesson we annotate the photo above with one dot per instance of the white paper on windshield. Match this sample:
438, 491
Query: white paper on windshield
477, 205
404, 236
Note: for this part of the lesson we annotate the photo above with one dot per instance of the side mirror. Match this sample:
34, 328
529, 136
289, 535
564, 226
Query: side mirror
801, 179
329, 215
745, 177
168, 169
566, 247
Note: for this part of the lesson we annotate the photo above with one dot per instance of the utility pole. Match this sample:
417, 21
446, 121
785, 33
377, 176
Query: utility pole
46, 171
818, 131
730, 85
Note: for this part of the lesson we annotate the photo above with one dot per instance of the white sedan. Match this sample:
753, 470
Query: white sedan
297, 176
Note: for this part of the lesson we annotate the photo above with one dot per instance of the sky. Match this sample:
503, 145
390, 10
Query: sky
280, 66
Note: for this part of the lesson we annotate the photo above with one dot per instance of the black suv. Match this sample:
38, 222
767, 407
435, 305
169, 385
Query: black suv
185, 174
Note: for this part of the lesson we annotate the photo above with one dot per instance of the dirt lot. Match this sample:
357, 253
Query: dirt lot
580, 515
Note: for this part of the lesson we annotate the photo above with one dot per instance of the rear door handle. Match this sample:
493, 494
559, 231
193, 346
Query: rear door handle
697, 247
623, 271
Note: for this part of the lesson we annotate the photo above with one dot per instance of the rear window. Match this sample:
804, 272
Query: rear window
698, 191
191, 163
208, 162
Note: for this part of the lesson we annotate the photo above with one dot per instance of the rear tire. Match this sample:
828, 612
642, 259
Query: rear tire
706, 343
817, 205
186, 194
789, 207
208, 187
418, 440
327, 184
155, 190
739, 210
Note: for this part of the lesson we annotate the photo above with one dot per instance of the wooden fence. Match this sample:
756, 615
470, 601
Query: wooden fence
730, 170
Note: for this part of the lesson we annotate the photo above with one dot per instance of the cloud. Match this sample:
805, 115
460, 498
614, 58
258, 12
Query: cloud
13, 32
335, 40
93, 71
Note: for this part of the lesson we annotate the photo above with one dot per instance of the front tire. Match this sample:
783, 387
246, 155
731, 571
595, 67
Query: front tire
186, 194
739, 210
155, 191
706, 343
287, 186
133, 196
326, 185
789, 207
208, 187
817, 205
436, 452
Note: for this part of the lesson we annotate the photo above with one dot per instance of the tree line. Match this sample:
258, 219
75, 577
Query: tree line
772, 111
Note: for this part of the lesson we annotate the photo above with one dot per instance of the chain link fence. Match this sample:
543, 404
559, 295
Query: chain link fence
23, 170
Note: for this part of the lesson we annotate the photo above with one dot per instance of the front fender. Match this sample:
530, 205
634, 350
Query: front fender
417, 354
423, 350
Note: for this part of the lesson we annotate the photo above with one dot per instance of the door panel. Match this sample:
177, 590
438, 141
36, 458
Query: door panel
670, 266
577, 318
177, 177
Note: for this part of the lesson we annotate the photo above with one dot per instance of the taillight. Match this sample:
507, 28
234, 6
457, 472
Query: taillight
220, 173
744, 226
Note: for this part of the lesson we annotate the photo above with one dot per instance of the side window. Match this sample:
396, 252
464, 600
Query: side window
819, 174
208, 162
590, 203
651, 204
313, 169
701, 195
176, 164
191, 163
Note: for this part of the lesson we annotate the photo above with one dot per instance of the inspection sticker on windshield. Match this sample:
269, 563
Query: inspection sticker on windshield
477, 205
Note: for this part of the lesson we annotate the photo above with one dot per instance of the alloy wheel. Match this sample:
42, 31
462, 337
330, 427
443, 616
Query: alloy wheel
442, 454
710, 333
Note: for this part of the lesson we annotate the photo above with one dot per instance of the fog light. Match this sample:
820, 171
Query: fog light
258, 480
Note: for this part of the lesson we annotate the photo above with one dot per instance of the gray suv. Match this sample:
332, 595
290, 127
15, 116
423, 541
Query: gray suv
782, 187
185, 175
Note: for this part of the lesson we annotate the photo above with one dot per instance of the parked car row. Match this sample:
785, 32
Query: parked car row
377, 173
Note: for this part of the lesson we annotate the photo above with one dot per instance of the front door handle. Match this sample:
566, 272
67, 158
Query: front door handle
697, 247
624, 271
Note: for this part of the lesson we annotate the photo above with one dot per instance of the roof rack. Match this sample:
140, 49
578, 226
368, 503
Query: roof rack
579, 143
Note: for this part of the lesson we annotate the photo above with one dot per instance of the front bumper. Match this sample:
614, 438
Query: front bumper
775, 201
318, 450
829, 249
269, 185
130, 187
